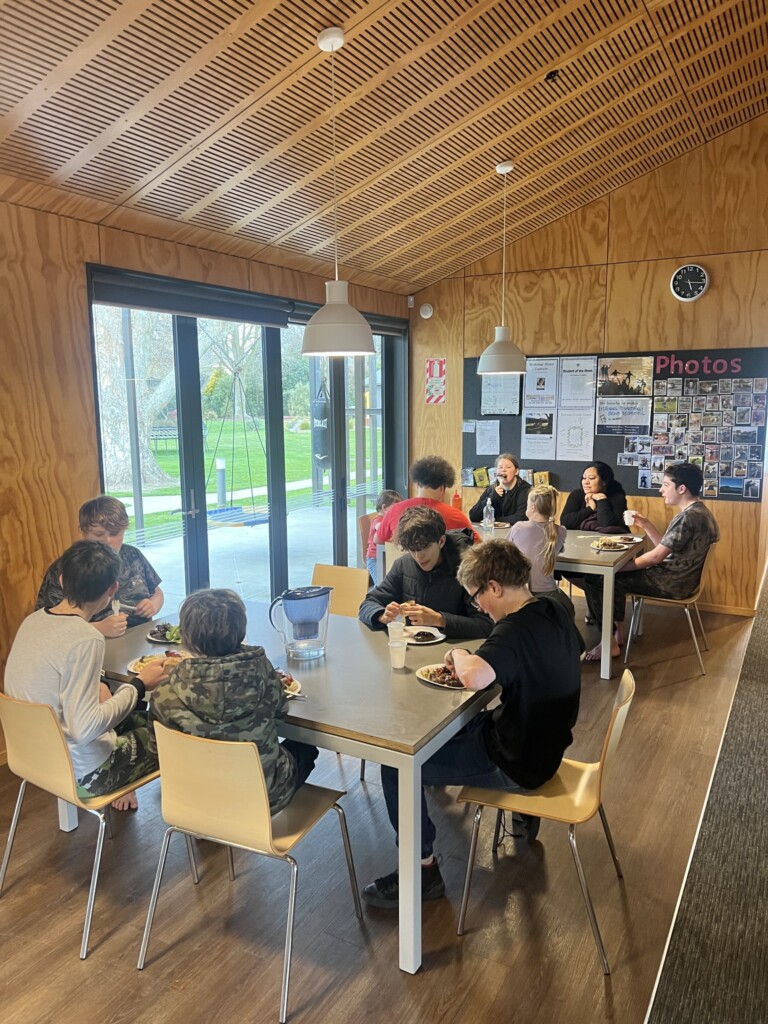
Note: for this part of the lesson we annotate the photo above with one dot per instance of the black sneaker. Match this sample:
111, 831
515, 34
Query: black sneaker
384, 893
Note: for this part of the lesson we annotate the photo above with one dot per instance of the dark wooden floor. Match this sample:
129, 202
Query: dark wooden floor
528, 955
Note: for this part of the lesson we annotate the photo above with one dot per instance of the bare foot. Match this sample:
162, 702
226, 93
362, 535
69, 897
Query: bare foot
619, 635
596, 653
126, 803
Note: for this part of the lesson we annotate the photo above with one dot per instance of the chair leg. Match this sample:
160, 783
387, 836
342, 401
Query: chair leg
350, 862
108, 817
470, 866
12, 832
705, 642
94, 880
587, 899
288, 939
231, 863
153, 899
192, 862
687, 610
609, 837
498, 830
637, 605
362, 770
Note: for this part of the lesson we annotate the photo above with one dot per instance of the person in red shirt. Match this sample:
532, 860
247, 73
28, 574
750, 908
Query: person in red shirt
432, 476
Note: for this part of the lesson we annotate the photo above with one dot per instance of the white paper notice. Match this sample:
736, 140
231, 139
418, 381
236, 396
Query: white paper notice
578, 375
469, 427
537, 440
487, 437
623, 415
575, 434
500, 394
540, 384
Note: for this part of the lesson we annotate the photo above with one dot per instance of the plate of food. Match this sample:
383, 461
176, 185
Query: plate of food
614, 543
164, 633
501, 526
440, 676
420, 636
291, 685
138, 664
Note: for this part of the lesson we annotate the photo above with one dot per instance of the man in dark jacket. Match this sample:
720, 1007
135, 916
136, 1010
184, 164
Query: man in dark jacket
422, 585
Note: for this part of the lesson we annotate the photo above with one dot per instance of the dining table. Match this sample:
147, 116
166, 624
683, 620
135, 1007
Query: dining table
355, 703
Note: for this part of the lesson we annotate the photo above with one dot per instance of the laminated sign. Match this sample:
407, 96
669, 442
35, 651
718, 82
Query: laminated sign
434, 388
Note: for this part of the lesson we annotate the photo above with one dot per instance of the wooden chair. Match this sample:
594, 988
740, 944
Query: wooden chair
38, 753
573, 796
686, 603
364, 526
350, 585
349, 589
216, 790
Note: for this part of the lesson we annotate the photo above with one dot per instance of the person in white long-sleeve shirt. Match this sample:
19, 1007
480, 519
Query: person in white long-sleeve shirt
56, 659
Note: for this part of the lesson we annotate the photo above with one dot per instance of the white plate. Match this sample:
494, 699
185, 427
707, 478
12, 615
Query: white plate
295, 686
433, 682
137, 664
410, 631
621, 543
501, 526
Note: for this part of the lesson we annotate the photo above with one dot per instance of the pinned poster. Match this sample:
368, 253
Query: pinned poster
434, 385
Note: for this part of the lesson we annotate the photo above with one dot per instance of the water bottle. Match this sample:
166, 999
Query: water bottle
489, 517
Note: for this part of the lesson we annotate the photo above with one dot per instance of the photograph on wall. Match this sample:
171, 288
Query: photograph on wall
625, 375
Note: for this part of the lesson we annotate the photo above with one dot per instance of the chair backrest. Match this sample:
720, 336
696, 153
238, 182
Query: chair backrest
350, 586
215, 788
391, 554
37, 747
364, 526
621, 705
705, 566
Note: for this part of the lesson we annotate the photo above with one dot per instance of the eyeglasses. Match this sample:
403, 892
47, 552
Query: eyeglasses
473, 597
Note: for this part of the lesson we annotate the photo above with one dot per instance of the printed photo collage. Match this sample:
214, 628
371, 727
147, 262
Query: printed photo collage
716, 424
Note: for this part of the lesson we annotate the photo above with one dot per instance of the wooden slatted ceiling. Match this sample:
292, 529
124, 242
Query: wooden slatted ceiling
215, 112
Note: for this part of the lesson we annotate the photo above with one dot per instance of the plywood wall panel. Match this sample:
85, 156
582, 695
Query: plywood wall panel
712, 200
436, 429
642, 314
48, 459
580, 239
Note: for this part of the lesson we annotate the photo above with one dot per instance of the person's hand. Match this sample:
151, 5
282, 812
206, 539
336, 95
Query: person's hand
498, 488
420, 615
113, 626
104, 692
154, 673
148, 607
390, 613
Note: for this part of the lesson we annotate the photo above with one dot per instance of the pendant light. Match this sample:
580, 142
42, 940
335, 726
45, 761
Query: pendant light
336, 329
502, 355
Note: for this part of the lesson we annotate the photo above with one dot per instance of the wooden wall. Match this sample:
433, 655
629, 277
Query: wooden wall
598, 281
49, 457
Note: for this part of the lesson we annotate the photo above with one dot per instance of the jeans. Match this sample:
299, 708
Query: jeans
305, 755
461, 762
635, 582
371, 563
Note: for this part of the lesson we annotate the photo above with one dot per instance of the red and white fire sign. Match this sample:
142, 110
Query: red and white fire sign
434, 386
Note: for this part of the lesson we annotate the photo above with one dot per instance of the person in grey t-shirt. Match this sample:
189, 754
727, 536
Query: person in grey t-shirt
673, 567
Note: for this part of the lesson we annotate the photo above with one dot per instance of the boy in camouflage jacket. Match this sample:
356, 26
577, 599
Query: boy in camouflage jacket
230, 691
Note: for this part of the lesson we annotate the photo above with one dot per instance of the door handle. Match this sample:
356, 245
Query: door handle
191, 512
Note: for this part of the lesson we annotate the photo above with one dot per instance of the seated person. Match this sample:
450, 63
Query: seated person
673, 568
230, 691
56, 659
541, 540
383, 502
533, 655
105, 519
599, 504
425, 579
508, 494
433, 476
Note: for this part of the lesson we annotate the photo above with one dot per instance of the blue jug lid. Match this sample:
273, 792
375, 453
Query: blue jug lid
302, 593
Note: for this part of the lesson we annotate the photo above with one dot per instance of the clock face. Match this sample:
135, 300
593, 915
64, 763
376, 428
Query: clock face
689, 283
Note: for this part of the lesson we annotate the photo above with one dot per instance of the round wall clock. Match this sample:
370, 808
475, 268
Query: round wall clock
689, 283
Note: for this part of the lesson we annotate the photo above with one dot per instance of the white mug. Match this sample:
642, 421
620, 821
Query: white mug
629, 517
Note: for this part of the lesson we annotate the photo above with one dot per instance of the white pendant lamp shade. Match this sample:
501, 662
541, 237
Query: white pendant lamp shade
337, 329
502, 355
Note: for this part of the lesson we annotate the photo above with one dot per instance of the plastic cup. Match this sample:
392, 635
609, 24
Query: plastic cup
396, 630
397, 649
629, 517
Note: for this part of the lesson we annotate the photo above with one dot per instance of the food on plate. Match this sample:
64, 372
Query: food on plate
165, 633
609, 543
422, 637
291, 685
442, 675
166, 656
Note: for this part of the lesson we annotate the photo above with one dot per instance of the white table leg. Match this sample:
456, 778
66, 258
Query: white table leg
607, 625
68, 819
409, 864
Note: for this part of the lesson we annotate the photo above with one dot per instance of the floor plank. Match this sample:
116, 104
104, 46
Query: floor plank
216, 949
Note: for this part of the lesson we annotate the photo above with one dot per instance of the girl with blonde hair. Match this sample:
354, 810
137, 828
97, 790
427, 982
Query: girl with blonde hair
541, 539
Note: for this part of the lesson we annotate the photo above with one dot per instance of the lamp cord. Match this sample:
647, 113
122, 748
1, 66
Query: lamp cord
504, 251
335, 189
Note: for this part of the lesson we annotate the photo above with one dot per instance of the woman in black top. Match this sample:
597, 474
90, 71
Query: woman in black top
599, 504
509, 494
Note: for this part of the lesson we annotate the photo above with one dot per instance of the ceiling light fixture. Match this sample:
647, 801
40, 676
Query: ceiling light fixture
502, 355
336, 329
